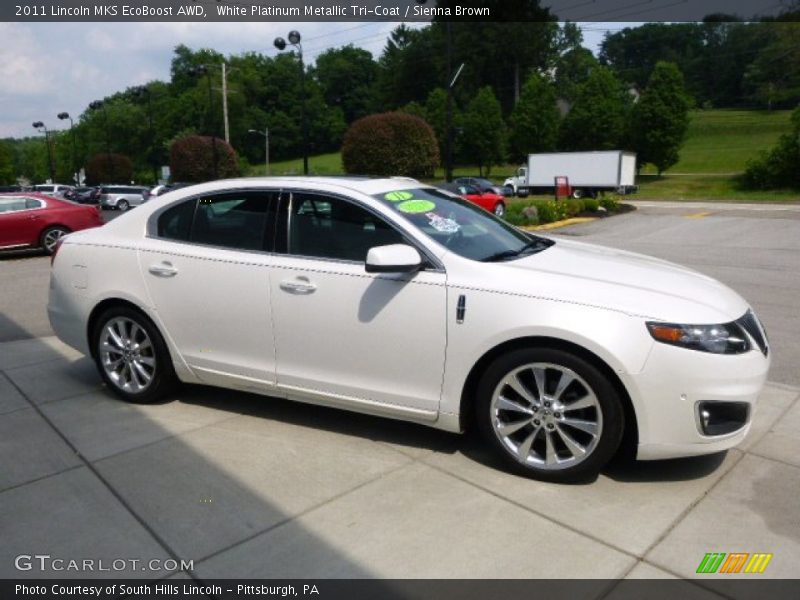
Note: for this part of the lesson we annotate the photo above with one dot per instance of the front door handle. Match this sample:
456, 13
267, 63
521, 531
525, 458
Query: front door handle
301, 285
164, 269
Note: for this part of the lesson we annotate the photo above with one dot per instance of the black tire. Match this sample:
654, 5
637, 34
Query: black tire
50, 236
123, 205
163, 380
500, 209
609, 406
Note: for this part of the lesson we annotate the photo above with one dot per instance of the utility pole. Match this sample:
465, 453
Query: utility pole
225, 101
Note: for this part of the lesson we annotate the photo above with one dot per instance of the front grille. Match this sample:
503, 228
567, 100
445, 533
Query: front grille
749, 322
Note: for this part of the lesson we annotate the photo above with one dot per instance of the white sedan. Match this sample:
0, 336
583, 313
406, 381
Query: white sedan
391, 297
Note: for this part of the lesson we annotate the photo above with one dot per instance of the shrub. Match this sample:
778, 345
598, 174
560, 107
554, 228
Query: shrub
575, 207
392, 143
192, 159
610, 203
591, 204
109, 168
780, 167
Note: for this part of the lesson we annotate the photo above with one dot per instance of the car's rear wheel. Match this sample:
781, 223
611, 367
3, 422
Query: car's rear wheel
123, 205
50, 237
549, 414
500, 209
131, 356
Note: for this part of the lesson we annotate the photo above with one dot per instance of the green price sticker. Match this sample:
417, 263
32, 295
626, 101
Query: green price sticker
398, 196
414, 207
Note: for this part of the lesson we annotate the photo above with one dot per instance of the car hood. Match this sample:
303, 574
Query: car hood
625, 281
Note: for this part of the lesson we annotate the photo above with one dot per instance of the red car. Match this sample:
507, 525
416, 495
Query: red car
30, 219
487, 200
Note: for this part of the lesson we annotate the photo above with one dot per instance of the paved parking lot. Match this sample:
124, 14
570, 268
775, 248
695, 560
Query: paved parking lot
251, 486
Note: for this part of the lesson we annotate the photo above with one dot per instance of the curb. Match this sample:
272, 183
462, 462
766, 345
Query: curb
558, 224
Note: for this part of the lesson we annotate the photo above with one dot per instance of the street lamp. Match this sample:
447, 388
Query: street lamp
75, 175
42, 129
100, 105
280, 44
265, 133
199, 71
140, 91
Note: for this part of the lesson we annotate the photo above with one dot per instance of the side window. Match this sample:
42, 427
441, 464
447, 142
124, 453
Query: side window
11, 204
326, 227
176, 223
236, 220
33, 203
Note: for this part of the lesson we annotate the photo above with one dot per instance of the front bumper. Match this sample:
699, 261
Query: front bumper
674, 380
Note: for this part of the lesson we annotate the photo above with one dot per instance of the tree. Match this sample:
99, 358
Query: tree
347, 78
484, 138
660, 119
780, 167
534, 121
109, 168
392, 143
596, 120
7, 172
192, 159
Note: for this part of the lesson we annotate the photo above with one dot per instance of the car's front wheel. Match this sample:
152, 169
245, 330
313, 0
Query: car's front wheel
500, 209
131, 356
549, 414
123, 205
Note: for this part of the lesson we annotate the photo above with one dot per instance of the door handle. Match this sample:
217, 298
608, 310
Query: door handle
165, 269
298, 286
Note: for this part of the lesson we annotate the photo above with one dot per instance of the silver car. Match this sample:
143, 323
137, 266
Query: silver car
122, 197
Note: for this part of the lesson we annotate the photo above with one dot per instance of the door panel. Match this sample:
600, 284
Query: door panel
379, 338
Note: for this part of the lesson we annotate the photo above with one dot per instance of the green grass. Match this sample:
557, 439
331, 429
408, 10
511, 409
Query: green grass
722, 141
718, 146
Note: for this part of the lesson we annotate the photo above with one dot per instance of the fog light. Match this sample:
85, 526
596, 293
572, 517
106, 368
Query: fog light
721, 418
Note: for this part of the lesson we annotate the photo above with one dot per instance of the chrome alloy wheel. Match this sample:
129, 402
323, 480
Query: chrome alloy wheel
546, 416
51, 238
127, 355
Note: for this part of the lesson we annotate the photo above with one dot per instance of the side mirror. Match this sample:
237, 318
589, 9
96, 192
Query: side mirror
395, 258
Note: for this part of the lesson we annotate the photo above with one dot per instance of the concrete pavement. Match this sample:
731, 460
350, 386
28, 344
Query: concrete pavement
248, 486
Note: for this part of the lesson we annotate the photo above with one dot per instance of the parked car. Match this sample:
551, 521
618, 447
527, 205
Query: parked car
57, 190
9, 188
37, 220
490, 201
85, 195
122, 197
483, 185
391, 297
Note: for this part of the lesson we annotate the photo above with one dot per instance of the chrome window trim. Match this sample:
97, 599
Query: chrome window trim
152, 226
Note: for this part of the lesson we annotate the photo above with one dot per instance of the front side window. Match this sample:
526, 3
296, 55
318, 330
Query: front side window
462, 227
327, 227
11, 204
237, 220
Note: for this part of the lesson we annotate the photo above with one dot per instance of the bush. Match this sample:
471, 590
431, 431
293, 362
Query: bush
610, 203
591, 204
192, 159
575, 207
780, 167
109, 168
392, 143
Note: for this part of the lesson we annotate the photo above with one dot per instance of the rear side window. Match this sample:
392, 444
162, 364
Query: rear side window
238, 221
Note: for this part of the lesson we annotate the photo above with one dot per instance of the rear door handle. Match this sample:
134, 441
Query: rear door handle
164, 269
298, 286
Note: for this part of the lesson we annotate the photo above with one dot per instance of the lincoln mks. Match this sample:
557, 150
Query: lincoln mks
391, 297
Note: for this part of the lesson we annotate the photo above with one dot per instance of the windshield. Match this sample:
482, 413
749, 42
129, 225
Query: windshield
461, 226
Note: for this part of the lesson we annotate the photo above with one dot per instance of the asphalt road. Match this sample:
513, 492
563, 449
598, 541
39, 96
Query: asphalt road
755, 249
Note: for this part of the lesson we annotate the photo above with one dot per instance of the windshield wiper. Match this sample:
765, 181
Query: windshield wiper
537, 244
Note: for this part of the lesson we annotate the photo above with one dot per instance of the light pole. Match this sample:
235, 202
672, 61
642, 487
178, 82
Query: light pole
140, 91
199, 71
42, 129
100, 105
280, 44
75, 175
265, 133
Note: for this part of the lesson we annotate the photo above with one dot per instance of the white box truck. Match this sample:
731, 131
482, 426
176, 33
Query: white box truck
589, 173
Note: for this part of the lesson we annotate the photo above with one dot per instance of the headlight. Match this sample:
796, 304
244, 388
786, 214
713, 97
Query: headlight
728, 338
